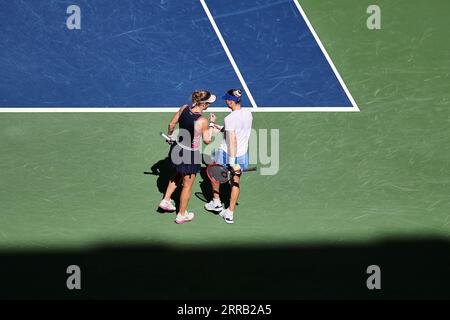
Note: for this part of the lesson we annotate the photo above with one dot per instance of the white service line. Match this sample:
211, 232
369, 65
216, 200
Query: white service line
324, 51
229, 55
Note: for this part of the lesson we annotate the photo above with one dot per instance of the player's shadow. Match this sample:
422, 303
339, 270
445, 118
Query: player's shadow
164, 170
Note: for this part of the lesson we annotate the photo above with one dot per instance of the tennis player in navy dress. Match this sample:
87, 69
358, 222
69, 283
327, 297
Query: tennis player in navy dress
185, 153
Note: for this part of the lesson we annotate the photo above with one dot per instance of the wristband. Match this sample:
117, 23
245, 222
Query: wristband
212, 125
232, 161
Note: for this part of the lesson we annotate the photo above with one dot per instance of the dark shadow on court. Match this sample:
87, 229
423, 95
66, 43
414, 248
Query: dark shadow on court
164, 170
409, 269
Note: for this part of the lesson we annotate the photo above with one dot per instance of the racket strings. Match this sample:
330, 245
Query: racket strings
218, 173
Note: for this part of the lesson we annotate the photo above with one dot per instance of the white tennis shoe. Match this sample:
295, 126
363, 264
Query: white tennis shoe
186, 217
227, 215
214, 207
167, 205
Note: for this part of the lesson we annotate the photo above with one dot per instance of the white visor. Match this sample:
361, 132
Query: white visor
211, 99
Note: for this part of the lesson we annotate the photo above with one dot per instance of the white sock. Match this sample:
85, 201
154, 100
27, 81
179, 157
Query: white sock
217, 202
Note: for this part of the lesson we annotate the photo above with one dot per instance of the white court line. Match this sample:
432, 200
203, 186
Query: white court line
137, 110
229, 55
324, 51
98, 110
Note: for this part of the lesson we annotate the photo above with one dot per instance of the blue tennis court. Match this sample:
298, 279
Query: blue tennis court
132, 54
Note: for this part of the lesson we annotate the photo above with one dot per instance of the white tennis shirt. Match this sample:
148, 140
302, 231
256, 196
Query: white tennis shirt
241, 122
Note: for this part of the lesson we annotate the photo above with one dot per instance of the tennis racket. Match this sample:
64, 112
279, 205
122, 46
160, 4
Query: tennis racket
219, 174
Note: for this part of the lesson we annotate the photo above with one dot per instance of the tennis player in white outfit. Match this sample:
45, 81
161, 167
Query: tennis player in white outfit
233, 151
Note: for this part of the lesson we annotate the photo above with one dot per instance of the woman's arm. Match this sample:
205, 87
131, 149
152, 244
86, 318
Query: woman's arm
174, 121
232, 151
206, 130
232, 144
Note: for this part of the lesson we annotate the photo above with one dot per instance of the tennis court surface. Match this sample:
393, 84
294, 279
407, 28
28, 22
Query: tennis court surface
353, 189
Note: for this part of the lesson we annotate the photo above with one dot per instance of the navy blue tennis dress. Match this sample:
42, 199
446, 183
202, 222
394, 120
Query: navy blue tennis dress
189, 142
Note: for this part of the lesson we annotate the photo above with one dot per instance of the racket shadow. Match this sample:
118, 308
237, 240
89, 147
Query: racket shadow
200, 196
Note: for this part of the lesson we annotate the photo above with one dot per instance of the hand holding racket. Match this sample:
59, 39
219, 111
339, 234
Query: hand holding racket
169, 139
235, 168
218, 173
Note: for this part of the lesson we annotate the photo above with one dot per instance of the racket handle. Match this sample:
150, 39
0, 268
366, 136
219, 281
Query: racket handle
165, 136
249, 169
